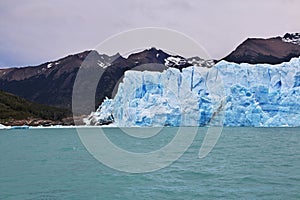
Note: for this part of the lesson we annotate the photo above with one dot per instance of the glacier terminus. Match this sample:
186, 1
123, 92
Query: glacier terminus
229, 94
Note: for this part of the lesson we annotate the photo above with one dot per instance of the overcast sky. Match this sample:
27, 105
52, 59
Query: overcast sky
36, 31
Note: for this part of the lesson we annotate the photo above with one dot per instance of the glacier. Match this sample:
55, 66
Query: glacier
229, 94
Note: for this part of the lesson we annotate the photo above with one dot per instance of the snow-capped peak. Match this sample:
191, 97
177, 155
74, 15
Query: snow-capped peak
196, 61
292, 38
174, 61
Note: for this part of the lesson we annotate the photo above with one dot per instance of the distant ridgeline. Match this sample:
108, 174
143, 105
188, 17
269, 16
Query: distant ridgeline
52, 83
272, 51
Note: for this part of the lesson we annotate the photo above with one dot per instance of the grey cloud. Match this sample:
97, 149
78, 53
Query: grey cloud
35, 31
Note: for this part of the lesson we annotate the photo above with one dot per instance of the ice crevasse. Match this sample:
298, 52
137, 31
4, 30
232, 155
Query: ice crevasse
228, 94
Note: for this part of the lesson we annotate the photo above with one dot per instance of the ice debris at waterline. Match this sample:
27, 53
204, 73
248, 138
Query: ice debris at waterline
260, 95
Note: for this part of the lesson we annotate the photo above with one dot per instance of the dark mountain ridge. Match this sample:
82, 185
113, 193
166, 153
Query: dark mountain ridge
52, 83
271, 51
47, 83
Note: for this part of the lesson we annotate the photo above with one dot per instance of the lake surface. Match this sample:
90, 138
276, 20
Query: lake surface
246, 163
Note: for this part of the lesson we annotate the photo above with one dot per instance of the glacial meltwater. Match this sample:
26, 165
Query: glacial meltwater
246, 163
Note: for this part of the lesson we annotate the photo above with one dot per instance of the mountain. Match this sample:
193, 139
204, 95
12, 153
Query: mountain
52, 83
272, 51
18, 111
292, 38
49, 83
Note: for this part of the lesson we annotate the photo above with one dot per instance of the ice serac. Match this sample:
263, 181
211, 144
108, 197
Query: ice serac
260, 95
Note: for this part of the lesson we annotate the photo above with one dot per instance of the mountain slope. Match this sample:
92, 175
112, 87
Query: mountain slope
48, 83
52, 83
14, 108
272, 51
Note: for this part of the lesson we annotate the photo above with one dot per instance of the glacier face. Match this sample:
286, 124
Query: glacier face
228, 94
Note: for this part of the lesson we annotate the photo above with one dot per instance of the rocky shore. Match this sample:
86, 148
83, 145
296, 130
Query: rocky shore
69, 121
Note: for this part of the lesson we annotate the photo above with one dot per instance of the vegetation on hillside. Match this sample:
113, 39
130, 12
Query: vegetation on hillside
16, 108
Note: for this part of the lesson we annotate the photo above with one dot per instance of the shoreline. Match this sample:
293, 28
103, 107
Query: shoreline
24, 127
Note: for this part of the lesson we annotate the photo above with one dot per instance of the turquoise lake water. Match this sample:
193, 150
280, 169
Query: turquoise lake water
246, 163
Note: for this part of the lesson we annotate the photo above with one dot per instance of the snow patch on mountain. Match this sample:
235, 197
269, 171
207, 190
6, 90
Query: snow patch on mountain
292, 38
49, 65
104, 61
174, 61
196, 61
